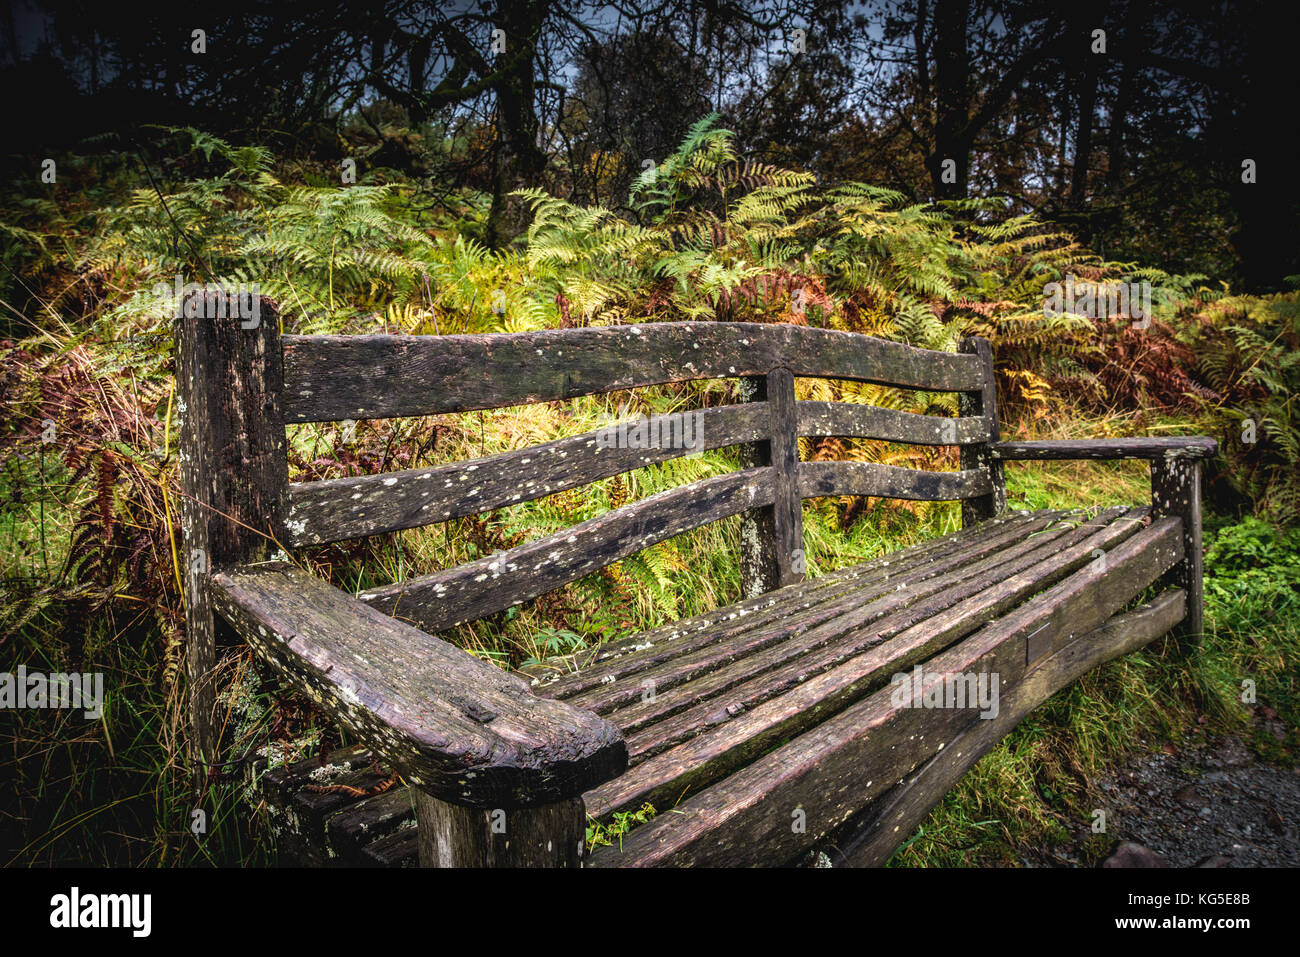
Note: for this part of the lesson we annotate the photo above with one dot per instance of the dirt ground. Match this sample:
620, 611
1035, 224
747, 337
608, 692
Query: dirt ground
1209, 803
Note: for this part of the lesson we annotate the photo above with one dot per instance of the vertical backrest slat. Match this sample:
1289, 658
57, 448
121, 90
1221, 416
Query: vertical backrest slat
771, 538
233, 473
983, 402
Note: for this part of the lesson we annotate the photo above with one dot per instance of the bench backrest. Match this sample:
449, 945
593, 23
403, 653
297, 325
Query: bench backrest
245, 385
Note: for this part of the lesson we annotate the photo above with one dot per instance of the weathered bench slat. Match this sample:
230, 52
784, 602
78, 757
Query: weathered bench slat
1159, 447
645, 651
565, 677
337, 509
330, 378
818, 479
691, 707
495, 582
870, 839
829, 771
977, 456
853, 420
876, 648
787, 665
841, 611
453, 724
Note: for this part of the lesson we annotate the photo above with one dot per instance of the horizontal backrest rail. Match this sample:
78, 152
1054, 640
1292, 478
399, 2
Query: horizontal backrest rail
818, 479
495, 582
853, 420
332, 378
337, 509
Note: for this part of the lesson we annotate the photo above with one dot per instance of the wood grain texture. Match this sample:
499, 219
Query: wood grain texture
861, 660
1176, 490
873, 835
456, 726
851, 420
742, 648
1155, 448
818, 479
825, 775
806, 648
454, 836
233, 478
771, 537
331, 378
338, 509
567, 675
982, 402
495, 582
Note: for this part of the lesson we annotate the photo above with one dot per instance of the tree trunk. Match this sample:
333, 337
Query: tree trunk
1087, 107
951, 84
517, 161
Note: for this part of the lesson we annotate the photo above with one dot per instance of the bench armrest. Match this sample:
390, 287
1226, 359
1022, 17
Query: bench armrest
1171, 447
457, 727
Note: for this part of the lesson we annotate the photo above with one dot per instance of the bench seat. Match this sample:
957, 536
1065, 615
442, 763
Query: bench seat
698, 700
744, 715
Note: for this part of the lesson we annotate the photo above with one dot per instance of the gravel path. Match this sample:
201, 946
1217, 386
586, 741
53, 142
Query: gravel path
1208, 804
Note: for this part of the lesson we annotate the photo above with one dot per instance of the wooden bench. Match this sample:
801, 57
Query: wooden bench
761, 731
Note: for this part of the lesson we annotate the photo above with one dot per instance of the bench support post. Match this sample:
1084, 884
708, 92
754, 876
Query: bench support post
1176, 490
232, 476
979, 456
771, 538
453, 836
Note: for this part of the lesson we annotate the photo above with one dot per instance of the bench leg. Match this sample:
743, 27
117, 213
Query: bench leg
455, 836
1176, 490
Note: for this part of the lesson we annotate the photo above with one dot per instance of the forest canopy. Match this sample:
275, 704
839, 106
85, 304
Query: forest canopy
1149, 128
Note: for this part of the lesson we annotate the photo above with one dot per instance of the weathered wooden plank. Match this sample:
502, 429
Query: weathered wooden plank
349, 831
852, 420
982, 402
300, 800
822, 777
456, 726
817, 479
771, 537
685, 710
706, 702
692, 675
453, 836
1155, 448
874, 649
757, 567
367, 377
495, 582
871, 838
338, 509
615, 659
1176, 490
232, 475
398, 849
